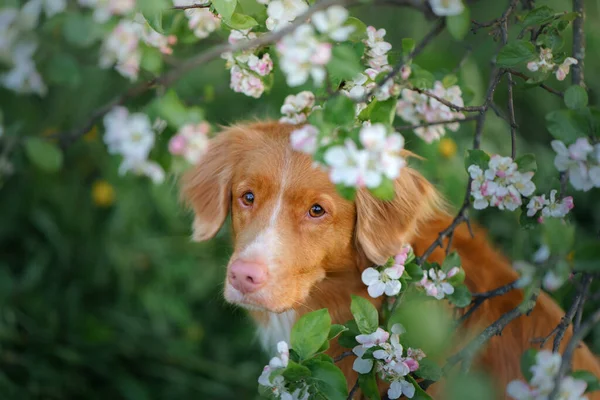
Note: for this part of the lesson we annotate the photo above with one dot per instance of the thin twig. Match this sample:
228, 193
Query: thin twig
426, 124
353, 390
542, 85
511, 104
567, 356
575, 307
342, 356
480, 298
190, 6
578, 43
447, 103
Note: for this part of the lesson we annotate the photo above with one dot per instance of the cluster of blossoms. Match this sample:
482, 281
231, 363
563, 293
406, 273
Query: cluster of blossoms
546, 64
500, 185
378, 159
581, 160
304, 53
248, 71
552, 280
417, 108
297, 108
132, 136
447, 7
389, 360
277, 384
105, 9
17, 48
435, 282
190, 142
281, 12
388, 280
551, 208
200, 20
543, 381
376, 53
122, 46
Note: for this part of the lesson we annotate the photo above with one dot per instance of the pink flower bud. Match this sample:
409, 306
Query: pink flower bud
177, 145
412, 364
453, 272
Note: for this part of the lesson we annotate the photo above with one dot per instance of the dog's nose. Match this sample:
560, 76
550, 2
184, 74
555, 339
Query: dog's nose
247, 277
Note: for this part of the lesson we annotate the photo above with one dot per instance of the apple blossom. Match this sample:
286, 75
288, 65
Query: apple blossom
527, 272
305, 139
191, 142
380, 158
563, 69
376, 49
557, 208
546, 63
447, 7
386, 281
581, 160
282, 12
296, 108
331, 23
105, 9
277, 384
435, 284
147, 168
302, 55
121, 47
23, 77
202, 21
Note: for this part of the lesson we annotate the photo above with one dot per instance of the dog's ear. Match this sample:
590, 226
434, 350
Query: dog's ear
206, 187
382, 227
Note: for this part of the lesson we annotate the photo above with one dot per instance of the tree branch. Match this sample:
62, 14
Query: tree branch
426, 124
578, 43
342, 356
353, 390
447, 103
542, 85
480, 298
190, 6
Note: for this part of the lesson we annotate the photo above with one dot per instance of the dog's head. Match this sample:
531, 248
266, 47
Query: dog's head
290, 226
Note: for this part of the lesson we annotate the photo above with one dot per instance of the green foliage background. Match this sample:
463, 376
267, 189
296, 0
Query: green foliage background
117, 303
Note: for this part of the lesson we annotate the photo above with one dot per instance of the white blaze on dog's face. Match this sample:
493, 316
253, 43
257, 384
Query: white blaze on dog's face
290, 226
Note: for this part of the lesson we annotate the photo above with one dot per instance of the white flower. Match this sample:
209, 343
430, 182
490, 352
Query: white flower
143, 167
202, 22
447, 7
519, 390
191, 142
243, 81
282, 12
373, 339
105, 9
435, 285
527, 272
536, 204
557, 209
581, 163
542, 254
24, 78
383, 282
361, 365
331, 22
262, 66
544, 63
32, 9
572, 389
121, 47
552, 281
277, 385
297, 108
399, 388
545, 369
377, 49
302, 55
305, 139
563, 69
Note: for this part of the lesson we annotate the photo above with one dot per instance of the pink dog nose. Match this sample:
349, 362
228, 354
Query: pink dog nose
247, 277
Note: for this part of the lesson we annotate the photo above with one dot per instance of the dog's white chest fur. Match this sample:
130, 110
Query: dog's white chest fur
277, 328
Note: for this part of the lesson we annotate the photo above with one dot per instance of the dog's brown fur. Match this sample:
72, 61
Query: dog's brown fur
316, 263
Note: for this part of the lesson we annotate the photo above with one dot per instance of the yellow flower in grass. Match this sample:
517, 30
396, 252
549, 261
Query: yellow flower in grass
447, 147
103, 193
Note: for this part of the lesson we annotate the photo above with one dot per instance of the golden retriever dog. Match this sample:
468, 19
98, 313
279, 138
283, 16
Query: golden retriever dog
299, 246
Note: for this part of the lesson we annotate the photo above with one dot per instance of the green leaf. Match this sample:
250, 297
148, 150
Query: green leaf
348, 338
81, 30
527, 361
449, 80
170, 108
539, 16
155, 20
587, 258
347, 192
566, 125
526, 163
241, 21
368, 385
576, 97
593, 384
309, 332
408, 45
458, 25
152, 60
225, 8
477, 157
527, 222
45, 155
339, 110
153, 7
559, 236
420, 394
365, 314
63, 69
421, 78
335, 331
428, 369
294, 372
414, 270
380, 111
360, 29
385, 191
473, 386
515, 53
344, 64
461, 296
327, 379
451, 261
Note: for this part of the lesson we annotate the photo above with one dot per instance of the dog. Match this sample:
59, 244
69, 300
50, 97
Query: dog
299, 246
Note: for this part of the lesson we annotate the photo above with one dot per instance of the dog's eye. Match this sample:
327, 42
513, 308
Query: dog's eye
316, 211
248, 198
